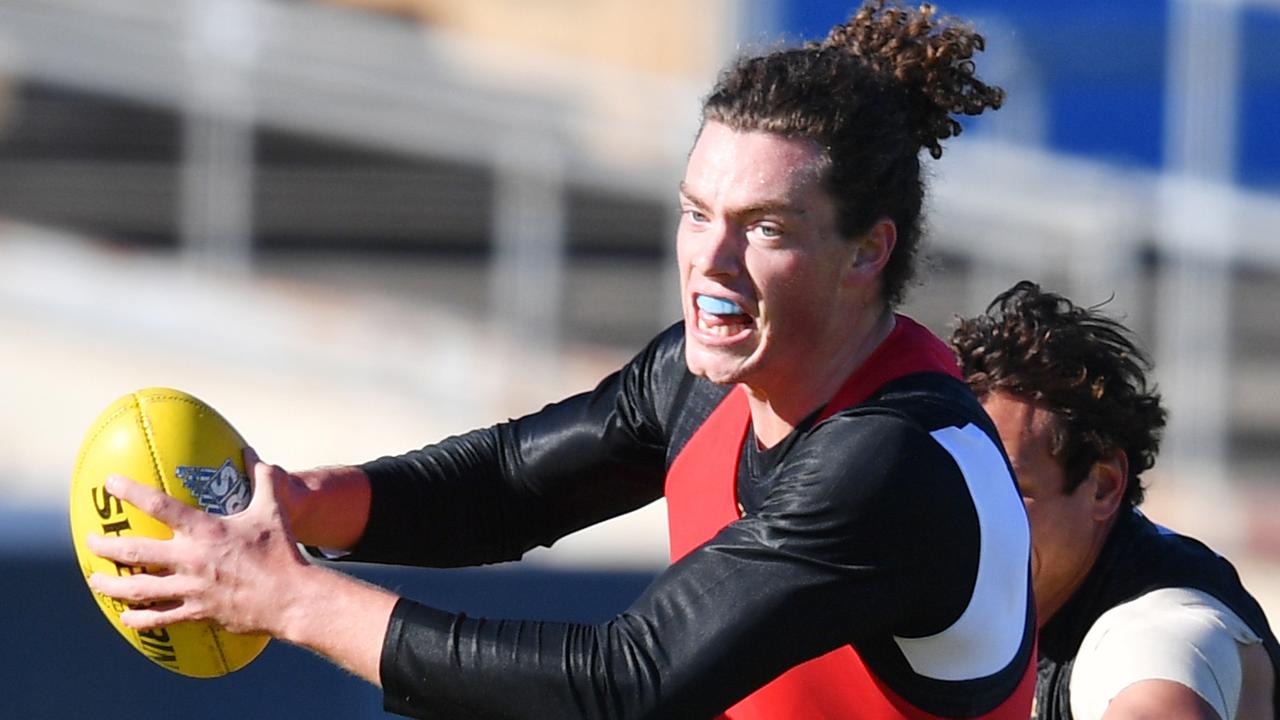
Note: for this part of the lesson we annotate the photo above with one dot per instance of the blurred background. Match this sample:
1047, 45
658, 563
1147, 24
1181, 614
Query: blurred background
356, 226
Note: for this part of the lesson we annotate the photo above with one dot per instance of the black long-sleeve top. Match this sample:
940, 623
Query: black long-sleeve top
860, 529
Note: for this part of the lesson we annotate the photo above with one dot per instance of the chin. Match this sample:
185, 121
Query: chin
717, 366
720, 378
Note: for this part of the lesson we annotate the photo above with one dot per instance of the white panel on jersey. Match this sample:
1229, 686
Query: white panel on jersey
986, 637
1177, 634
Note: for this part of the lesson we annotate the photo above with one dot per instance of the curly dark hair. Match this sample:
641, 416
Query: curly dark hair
874, 93
1081, 365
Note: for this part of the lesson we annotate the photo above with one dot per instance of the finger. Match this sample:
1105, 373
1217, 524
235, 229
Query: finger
137, 551
153, 502
139, 589
159, 615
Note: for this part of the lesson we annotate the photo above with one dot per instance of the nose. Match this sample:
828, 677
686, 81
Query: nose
719, 250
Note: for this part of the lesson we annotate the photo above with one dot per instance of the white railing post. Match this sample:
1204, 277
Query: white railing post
216, 213
1196, 230
529, 246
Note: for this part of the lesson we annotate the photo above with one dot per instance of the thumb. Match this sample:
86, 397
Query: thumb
263, 478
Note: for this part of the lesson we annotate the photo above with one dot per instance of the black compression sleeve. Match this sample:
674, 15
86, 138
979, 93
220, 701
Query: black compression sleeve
492, 494
823, 564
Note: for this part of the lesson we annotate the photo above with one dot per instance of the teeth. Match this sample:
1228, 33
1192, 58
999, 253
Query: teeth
720, 330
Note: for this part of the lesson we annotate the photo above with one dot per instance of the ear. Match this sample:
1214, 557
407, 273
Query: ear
873, 250
1109, 477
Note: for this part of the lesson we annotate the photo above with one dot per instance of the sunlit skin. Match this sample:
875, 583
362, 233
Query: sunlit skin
1162, 700
759, 229
1067, 529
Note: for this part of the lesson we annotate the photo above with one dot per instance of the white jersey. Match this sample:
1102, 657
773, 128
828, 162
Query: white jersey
1177, 634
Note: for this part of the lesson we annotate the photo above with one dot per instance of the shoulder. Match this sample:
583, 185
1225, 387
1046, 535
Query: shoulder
916, 456
933, 400
894, 462
865, 449
1146, 556
1171, 614
922, 433
910, 482
1176, 634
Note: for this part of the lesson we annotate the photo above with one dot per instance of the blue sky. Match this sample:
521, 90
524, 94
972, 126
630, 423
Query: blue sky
1101, 66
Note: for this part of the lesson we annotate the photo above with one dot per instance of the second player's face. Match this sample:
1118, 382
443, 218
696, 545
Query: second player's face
762, 266
1064, 531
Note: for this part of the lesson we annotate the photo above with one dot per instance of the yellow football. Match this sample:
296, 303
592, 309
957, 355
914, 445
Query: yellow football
169, 440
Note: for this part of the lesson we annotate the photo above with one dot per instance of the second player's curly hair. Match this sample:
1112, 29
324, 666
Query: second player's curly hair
874, 93
1074, 361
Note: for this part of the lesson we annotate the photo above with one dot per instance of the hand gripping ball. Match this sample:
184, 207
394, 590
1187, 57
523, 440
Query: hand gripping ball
169, 440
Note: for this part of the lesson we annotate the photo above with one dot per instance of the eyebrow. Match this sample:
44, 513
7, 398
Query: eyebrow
769, 206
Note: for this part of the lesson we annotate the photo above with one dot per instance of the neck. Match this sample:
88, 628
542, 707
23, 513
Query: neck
775, 415
1050, 601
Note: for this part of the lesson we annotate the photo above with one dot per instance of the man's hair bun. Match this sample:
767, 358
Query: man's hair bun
930, 58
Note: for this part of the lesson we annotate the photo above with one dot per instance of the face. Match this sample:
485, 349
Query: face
1065, 535
763, 272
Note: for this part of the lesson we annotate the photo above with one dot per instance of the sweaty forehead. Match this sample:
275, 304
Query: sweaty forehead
751, 167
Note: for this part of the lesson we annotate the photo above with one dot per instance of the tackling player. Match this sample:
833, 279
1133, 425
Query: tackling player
1136, 620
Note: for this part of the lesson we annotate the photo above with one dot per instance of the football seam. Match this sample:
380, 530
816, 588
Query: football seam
145, 422
217, 644
147, 428
155, 462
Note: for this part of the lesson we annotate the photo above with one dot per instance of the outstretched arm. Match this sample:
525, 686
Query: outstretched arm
815, 568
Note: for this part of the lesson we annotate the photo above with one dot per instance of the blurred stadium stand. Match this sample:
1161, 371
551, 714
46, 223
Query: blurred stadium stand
357, 226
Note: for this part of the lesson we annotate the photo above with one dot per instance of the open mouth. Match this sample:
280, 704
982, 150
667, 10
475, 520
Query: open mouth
721, 317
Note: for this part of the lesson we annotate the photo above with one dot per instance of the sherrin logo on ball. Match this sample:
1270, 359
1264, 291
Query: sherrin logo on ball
169, 440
